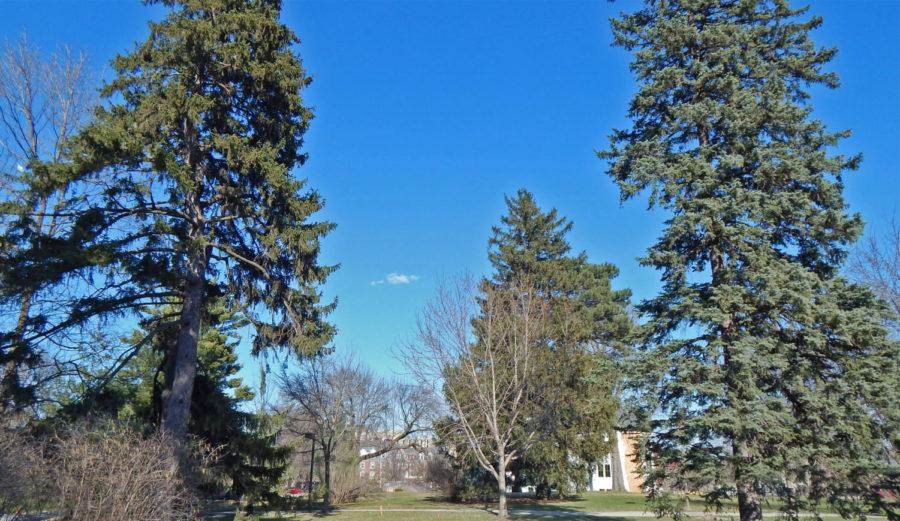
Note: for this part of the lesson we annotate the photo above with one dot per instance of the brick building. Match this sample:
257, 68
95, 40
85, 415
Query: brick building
618, 471
405, 465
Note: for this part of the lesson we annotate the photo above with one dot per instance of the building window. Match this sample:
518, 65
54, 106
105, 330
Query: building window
605, 468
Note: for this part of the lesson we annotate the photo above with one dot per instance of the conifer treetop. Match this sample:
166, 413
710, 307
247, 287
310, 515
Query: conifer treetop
196, 151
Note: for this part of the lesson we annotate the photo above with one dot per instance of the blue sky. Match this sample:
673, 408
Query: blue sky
427, 113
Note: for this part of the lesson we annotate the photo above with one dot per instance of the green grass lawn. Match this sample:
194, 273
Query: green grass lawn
602, 502
370, 508
349, 515
596, 501
588, 502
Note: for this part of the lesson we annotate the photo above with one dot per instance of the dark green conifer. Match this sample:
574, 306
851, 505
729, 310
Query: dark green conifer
764, 372
589, 322
190, 166
247, 454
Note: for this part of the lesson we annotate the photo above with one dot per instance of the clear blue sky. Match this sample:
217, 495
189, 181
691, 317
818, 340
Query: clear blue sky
427, 113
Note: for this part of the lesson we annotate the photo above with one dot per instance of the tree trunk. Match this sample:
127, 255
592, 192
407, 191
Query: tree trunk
542, 490
326, 456
749, 506
10, 386
177, 398
312, 466
501, 488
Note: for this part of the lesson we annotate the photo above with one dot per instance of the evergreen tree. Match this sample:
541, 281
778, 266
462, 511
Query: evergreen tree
588, 325
247, 451
764, 372
190, 164
250, 457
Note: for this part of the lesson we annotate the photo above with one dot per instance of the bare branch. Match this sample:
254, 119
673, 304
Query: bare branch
480, 348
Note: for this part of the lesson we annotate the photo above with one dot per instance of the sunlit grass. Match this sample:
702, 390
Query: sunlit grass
383, 505
428, 506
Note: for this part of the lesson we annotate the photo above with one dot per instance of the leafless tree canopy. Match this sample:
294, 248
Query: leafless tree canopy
339, 403
44, 100
482, 349
876, 263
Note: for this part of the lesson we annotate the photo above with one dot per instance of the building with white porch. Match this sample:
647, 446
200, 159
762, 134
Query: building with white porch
618, 471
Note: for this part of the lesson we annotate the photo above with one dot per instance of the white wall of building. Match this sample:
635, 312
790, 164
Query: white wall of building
601, 477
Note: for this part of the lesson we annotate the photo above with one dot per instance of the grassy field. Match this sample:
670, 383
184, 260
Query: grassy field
425, 507
343, 515
590, 502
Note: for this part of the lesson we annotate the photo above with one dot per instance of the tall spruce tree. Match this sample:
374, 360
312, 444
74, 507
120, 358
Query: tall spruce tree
191, 166
587, 331
247, 453
764, 372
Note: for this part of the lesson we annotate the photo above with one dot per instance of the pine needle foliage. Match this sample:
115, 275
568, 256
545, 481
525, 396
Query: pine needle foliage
587, 332
191, 162
764, 373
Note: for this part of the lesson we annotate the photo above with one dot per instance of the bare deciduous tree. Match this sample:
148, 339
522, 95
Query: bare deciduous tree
483, 349
342, 404
876, 263
408, 412
43, 101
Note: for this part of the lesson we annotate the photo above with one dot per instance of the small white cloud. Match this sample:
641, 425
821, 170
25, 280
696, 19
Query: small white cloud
395, 278
399, 278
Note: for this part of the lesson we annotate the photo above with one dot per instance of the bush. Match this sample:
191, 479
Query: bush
346, 485
23, 475
440, 474
101, 472
112, 473
473, 484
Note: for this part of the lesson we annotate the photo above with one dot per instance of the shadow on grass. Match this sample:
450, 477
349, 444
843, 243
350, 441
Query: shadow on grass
287, 515
528, 508
561, 514
564, 508
223, 511
446, 499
